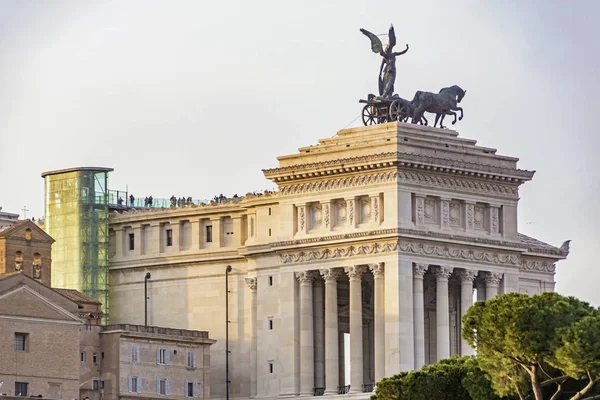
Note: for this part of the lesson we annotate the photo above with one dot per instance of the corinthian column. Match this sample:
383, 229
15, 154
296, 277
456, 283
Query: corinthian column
467, 277
319, 334
307, 356
330, 276
251, 282
443, 312
379, 320
356, 351
492, 282
419, 314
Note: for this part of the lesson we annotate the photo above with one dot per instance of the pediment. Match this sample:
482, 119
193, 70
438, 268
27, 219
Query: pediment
19, 231
26, 303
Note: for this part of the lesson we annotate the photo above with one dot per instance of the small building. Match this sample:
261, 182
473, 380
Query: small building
39, 340
7, 219
25, 247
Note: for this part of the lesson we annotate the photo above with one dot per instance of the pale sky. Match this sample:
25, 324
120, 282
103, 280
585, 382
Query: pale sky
194, 98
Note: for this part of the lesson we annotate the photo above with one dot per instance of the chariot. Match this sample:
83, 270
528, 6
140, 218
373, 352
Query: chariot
379, 110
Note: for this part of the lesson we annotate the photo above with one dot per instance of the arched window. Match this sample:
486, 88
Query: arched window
28, 234
18, 261
37, 266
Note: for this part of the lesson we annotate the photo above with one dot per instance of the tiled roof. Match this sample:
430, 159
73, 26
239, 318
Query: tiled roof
77, 296
535, 245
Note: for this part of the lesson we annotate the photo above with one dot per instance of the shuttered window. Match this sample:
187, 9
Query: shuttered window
191, 359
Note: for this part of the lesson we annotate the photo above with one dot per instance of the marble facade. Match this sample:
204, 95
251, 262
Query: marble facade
383, 232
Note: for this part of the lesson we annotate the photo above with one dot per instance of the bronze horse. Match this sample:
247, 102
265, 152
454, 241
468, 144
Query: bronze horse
442, 104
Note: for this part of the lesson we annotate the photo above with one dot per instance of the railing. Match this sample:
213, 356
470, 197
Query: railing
318, 391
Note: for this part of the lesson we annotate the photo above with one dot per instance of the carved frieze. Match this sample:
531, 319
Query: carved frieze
375, 201
301, 218
494, 218
445, 213
537, 266
326, 208
351, 211
410, 247
470, 216
407, 177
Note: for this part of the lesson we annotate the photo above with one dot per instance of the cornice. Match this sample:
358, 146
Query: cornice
402, 176
387, 159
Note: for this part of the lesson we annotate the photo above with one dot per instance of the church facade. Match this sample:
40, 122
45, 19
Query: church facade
386, 233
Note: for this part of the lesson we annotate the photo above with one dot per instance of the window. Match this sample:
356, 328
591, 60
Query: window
21, 388
102, 385
21, 341
95, 358
191, 389
209, 233
269, 210
270, 281
162, 387
134, 354
270, 367
169, 237
270, 324
135, 384
82, 357
102, 355
95, 385
191, 359
27, 234
37, 266
18, 261
269, 231
162, 356
131, 241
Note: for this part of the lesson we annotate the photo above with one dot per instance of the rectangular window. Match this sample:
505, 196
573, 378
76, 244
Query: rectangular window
269, 231
209, 234
135, 384
270, 324
162, 356
102, 385
82, 357
191, 389
21, 388
169, 237
269, 210
95, 358
162, 387
270, 367
134, 354
131, 241
191, 359
95, 385
21, 341
270, 281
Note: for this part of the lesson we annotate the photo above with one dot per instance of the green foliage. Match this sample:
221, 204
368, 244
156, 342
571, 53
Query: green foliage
456, 378
522, 341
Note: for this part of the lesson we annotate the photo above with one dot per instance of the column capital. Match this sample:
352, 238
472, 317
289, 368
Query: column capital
118, 228
419, 270
355, 271
377, 269
443, 273
468, 275
492, 278
251, 282
330, 274
305, 277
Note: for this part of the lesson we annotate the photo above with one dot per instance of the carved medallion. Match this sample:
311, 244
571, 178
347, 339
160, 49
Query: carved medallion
430, 211
454, 215
478, 218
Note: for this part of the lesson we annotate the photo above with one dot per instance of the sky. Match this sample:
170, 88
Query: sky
195, 98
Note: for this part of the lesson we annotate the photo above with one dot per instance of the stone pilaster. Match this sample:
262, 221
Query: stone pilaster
443, 312
251, 282
303, 224
492, 283
119, 241
420, 210
356, 325
467, 277
196, 234
352, 212
406, 314
445, 213
376, 209
379, 319
156, 244
419, 314
469, 216
217, 239
137, 240
176, 229
332, 380
494, 220
307, 356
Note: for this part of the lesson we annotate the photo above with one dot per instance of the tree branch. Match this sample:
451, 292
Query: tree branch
556, 394
587, 388
558, 379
